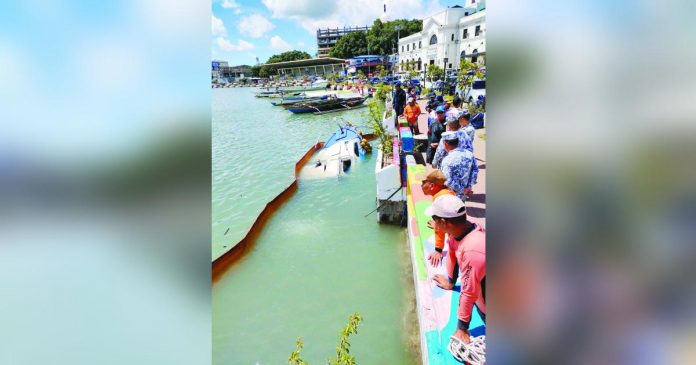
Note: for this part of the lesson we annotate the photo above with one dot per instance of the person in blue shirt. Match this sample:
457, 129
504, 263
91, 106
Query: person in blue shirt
432, 103
452, 124
459, 166
435, 129
466, 129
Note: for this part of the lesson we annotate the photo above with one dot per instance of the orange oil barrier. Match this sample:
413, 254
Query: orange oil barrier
232, 255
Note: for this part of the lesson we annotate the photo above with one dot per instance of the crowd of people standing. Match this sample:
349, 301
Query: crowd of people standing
454, 171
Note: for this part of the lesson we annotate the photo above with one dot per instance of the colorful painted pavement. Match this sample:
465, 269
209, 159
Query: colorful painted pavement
437, 308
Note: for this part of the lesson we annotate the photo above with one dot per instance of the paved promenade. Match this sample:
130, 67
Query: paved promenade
476, 205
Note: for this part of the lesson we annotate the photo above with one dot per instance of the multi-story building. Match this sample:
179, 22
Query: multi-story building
235, 72
215, 69
447, 37
327, 38
222, 72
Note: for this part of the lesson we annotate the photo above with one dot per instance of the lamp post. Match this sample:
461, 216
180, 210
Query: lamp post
395, 60
398, 35
368, 62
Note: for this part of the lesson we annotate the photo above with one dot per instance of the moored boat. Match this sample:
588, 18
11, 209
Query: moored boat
289, 101
330, 104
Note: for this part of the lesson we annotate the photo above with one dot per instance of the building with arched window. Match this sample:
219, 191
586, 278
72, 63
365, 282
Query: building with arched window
448, 36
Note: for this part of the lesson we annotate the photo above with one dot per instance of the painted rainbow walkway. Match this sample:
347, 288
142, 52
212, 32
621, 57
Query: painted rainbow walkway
437, 308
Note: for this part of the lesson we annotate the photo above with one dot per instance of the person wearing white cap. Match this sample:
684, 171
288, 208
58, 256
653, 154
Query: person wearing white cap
459, 166
451, 124
466, 258
411, 113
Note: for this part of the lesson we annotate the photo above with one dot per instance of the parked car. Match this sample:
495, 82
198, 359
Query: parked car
478, 120
477, 90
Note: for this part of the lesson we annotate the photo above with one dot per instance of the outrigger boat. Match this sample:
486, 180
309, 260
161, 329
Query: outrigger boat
276, 94
280, 91
287, 102
330, 104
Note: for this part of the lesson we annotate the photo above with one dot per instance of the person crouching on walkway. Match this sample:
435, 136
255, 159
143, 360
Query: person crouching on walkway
434, 185
466, 258
411, 113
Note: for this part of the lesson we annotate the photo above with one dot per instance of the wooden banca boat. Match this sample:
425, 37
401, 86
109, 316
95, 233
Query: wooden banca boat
330, 104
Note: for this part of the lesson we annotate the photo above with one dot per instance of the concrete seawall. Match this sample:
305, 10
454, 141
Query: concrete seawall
436, 308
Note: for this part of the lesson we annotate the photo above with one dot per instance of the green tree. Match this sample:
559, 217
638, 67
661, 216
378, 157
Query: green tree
374, 121
294, 358
381, 71
332, 77
343, 356
360, 75
468, 72
289, 56
263, 73
350, 45
382, 37
255, 70
435, 72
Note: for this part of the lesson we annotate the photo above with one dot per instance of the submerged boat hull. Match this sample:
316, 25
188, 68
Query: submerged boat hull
340, 152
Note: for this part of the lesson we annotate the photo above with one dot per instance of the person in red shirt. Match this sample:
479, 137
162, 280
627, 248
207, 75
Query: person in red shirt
411, 113
466, 256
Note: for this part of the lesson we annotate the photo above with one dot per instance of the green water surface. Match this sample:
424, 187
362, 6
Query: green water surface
318, 259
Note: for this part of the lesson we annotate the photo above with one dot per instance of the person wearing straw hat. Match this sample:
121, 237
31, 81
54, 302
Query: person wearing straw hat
434, 185
466, 259
459, 166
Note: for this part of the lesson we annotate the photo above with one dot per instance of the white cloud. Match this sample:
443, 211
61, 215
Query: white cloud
300, 8
255, 25
174, 22
314, 14
237, 11
230, 4
300, 44
226, 45
218, 26
279, 44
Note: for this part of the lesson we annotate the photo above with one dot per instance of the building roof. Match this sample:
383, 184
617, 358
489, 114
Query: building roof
307, 62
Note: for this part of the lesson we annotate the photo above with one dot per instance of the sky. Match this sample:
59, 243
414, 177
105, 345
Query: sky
243, 30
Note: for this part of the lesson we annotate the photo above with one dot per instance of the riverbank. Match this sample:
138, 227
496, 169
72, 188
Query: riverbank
317, 260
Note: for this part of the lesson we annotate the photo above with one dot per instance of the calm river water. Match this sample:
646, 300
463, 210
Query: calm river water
317, 261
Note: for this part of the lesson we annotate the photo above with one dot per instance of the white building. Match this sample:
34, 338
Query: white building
446, 38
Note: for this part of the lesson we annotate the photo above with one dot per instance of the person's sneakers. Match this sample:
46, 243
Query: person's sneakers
473, 353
